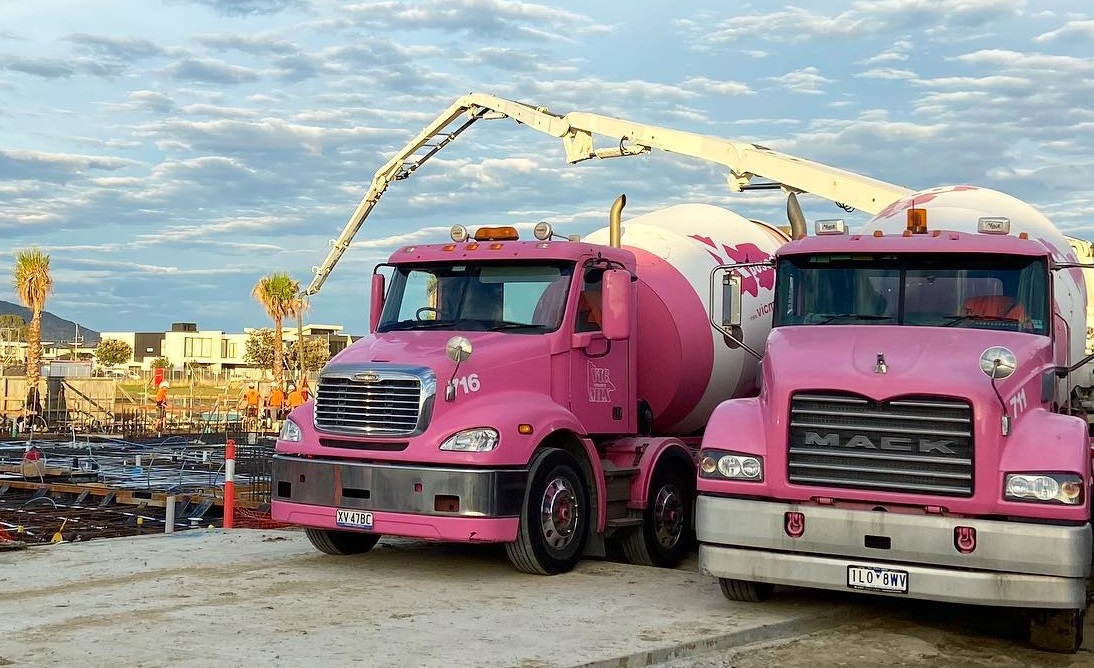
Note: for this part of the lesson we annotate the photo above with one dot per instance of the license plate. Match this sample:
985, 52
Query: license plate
357, 519
877, 579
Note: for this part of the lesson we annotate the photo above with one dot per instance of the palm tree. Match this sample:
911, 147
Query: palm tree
33, 284
277, 293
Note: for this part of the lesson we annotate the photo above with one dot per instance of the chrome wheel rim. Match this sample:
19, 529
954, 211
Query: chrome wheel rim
559, 512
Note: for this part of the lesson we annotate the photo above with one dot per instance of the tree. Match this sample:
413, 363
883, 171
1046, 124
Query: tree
33, 284
259, 349
112, 352
14, 326
277, 292
161, 363
316, 351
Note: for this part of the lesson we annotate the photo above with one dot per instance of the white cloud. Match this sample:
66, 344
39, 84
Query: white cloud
808, 81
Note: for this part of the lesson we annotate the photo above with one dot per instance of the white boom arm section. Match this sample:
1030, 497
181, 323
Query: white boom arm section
576, 131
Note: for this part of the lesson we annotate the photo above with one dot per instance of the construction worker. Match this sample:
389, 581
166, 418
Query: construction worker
250, 400
275, 403
161, 407
296, 397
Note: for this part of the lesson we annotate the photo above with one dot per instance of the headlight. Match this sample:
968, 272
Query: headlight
482, 439
731, 465
290, 432
1066, 488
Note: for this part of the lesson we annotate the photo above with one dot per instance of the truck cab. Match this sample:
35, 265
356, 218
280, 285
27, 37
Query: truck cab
916, 435
483, 349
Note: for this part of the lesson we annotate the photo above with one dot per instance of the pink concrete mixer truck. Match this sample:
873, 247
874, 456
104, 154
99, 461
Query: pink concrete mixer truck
918, 433
545, 394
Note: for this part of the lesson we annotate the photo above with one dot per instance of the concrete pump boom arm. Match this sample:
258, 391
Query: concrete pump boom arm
576, 131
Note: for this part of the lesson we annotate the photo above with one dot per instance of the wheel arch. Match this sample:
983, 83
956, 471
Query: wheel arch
584, 452
658, 455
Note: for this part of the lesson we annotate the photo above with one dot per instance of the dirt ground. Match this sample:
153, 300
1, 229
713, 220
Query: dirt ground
267, 598
906, 634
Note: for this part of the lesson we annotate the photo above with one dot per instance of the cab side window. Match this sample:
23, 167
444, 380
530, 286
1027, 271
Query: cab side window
589, 302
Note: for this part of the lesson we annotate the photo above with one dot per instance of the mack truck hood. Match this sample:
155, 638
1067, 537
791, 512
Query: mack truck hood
913, 360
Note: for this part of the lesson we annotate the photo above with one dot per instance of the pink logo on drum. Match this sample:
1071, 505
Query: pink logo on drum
752, 278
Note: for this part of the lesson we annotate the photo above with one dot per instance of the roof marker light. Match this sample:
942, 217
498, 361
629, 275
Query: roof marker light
505, 233
830, 226
459, 233
993, 225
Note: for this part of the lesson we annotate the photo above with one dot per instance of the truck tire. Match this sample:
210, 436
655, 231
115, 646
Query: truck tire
1057, 630
342, 542
745, 590
554, 520
665, 536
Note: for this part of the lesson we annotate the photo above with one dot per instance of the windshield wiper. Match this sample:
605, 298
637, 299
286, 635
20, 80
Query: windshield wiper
860, 316
511, 325
955, 319
417, 324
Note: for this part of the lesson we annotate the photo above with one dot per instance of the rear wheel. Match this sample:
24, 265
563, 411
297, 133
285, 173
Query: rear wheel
554, 521
1057, 630
745, 590
665, 536
341, 542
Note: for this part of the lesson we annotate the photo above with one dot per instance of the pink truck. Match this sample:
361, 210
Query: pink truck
542, 393
917, 434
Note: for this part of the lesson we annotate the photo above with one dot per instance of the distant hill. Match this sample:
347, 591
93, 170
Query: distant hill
53, 328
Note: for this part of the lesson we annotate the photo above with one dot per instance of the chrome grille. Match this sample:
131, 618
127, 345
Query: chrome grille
921, 445
369, 401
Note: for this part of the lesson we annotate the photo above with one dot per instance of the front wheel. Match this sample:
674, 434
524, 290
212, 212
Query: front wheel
341, 542
665, 536
554, 520
1057, 630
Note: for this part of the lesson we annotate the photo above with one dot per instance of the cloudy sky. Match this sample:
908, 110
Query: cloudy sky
168, 153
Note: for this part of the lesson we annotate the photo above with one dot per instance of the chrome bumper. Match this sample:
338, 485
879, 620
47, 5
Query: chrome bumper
399, 488
1014, 563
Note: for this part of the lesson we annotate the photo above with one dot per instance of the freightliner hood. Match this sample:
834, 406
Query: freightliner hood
512, 381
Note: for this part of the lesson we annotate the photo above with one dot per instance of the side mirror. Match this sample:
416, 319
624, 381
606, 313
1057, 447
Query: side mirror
731, 299
618, 306
376, 302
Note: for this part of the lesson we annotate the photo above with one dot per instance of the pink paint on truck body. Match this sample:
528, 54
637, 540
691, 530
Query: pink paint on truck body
547, 435
881, 455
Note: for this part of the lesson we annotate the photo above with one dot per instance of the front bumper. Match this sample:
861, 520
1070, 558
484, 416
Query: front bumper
456, 504
1014, 563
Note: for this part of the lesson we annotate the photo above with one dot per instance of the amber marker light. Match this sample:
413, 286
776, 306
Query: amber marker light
525, 429
917, 221
505, 233
1071, 490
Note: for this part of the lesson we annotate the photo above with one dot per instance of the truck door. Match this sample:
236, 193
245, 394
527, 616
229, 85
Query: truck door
599, 368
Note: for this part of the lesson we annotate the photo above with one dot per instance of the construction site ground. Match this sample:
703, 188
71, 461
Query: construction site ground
213, 597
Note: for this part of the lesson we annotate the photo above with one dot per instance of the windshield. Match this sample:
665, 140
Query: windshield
525, 297
935, 290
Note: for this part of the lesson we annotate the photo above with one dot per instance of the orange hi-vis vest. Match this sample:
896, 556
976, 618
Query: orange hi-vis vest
277, 397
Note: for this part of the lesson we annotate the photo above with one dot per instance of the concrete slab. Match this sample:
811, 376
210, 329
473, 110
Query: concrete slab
267, 598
